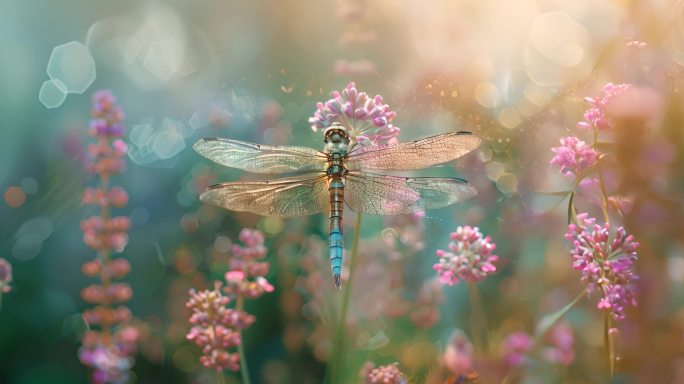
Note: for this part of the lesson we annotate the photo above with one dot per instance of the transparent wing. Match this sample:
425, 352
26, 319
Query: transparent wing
257, 158
390, 195
287, 197
415, 154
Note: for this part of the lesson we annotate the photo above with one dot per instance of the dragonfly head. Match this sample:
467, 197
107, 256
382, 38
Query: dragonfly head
336, 136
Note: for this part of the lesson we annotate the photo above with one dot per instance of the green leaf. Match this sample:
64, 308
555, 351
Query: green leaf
552, 318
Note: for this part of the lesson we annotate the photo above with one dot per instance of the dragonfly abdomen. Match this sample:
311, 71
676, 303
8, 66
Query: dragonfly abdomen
336, 238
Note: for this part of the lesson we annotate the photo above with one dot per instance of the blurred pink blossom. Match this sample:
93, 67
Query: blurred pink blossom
458, 354
469, 257
343, 67
595, 117
561, 345
515, 348
385, 374
246, 274
5, 276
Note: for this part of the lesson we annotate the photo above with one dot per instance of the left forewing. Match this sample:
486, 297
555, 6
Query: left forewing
257, 158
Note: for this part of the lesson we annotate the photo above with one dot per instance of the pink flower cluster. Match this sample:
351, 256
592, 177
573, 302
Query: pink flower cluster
573, 156
606, 263
595, 118
384, 374
367, 119
246, 275
425, 312
469, 257
558, 348
561, 345
107, 350
216, 328
515, 348
5, 276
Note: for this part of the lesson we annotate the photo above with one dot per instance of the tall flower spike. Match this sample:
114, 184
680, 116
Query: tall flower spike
606, 261
573, 156
366, 118
110, 344
469, 257
595, 116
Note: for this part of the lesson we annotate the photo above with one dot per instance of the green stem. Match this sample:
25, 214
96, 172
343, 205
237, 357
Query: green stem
608, 341
602, 184
219, 376
607, 321
244, 371
0, 301
338, 346
478, 320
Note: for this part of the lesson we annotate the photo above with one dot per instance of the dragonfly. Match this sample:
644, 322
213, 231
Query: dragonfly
324, 181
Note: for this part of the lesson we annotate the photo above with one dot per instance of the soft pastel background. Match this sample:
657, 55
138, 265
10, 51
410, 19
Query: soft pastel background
514, 72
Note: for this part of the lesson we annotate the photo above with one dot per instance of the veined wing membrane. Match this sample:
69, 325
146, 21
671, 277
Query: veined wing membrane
414, 154
297, 196
391, 195
257, 158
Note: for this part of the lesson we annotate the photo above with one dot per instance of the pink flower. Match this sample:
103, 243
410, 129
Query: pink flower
573, 156
425, 313
515, 348
386, 374
562, 344
5, 276
458, 354
606, 262
558, 348
246, 275
595, 117
110, 362
469, 258
367, 119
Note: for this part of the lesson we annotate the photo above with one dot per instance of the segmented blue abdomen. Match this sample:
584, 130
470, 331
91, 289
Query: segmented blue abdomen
336, 238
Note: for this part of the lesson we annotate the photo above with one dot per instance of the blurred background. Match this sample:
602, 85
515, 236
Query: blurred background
516, 73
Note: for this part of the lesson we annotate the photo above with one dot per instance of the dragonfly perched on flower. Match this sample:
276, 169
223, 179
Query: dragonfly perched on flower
326, 180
